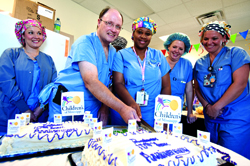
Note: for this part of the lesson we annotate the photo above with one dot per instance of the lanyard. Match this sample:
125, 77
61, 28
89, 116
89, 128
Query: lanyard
142, 67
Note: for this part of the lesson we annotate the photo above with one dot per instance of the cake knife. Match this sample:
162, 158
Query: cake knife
145, 125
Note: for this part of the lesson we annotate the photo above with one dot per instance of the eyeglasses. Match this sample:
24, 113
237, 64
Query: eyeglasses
111, 24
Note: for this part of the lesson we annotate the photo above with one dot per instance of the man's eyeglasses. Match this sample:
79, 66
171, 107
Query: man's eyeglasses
111, 24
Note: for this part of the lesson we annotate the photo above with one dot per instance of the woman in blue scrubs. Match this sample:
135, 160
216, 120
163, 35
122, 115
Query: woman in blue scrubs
24, 72
181, 74
222, 86
140, 73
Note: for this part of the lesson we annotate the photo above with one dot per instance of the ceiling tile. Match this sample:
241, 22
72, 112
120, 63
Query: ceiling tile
185, 24
133, 8
160, 5
78, 1
237, 11
239, 25
95, 6
198, 7
227, 3
186, 1
163, 30
126, 19
174, 14
157, 19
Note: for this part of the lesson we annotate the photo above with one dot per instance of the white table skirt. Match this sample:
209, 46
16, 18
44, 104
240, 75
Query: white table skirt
62, 159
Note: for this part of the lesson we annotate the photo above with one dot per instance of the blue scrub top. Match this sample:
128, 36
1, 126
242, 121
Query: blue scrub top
86, 48
224, 64
180, 75
126, 62
33, 99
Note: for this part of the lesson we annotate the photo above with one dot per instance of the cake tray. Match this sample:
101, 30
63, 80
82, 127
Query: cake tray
26, 155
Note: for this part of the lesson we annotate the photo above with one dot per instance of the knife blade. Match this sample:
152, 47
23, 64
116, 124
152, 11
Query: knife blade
145, 125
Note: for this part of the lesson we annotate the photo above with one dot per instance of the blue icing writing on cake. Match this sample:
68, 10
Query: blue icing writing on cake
46, 136
150, 149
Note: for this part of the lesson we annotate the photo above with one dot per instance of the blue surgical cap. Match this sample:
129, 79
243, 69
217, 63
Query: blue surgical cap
178, 36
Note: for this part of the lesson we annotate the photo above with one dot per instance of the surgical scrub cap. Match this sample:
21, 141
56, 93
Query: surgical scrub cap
220, 26
144, 22
120, 42
21, 27
178, 36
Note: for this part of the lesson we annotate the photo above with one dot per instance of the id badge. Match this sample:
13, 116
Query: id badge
209, 80
142, 98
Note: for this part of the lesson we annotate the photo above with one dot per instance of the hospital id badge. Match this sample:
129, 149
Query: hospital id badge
142, 98
209, 80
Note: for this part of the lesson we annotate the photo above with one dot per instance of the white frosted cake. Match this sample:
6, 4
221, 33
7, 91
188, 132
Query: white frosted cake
149, 149
45, 136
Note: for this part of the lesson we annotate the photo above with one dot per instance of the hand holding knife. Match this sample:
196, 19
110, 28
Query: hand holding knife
145, 125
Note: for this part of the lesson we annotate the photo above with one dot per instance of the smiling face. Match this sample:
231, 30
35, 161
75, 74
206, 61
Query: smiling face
176, 49
108, 34
33, 37
142, 38
212, 41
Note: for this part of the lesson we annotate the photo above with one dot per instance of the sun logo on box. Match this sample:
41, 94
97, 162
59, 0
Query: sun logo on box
132, 124
158, 124
69, 99
131, 153
76, 99
162, 103
204, 136
174, 105
108, 135
177, 127
98, 128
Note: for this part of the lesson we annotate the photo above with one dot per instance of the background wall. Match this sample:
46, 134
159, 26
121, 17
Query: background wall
77, 21
54, 45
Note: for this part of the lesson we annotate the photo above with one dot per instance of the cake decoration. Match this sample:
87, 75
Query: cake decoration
46, 136
151, 149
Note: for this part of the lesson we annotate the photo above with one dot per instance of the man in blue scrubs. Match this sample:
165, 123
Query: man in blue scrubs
88, 70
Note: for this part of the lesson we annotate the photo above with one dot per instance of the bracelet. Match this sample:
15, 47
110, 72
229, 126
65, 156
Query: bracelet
206, 105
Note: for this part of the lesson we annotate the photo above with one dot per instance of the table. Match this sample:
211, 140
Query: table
191, 129
239, 159
62, 159
52, 160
